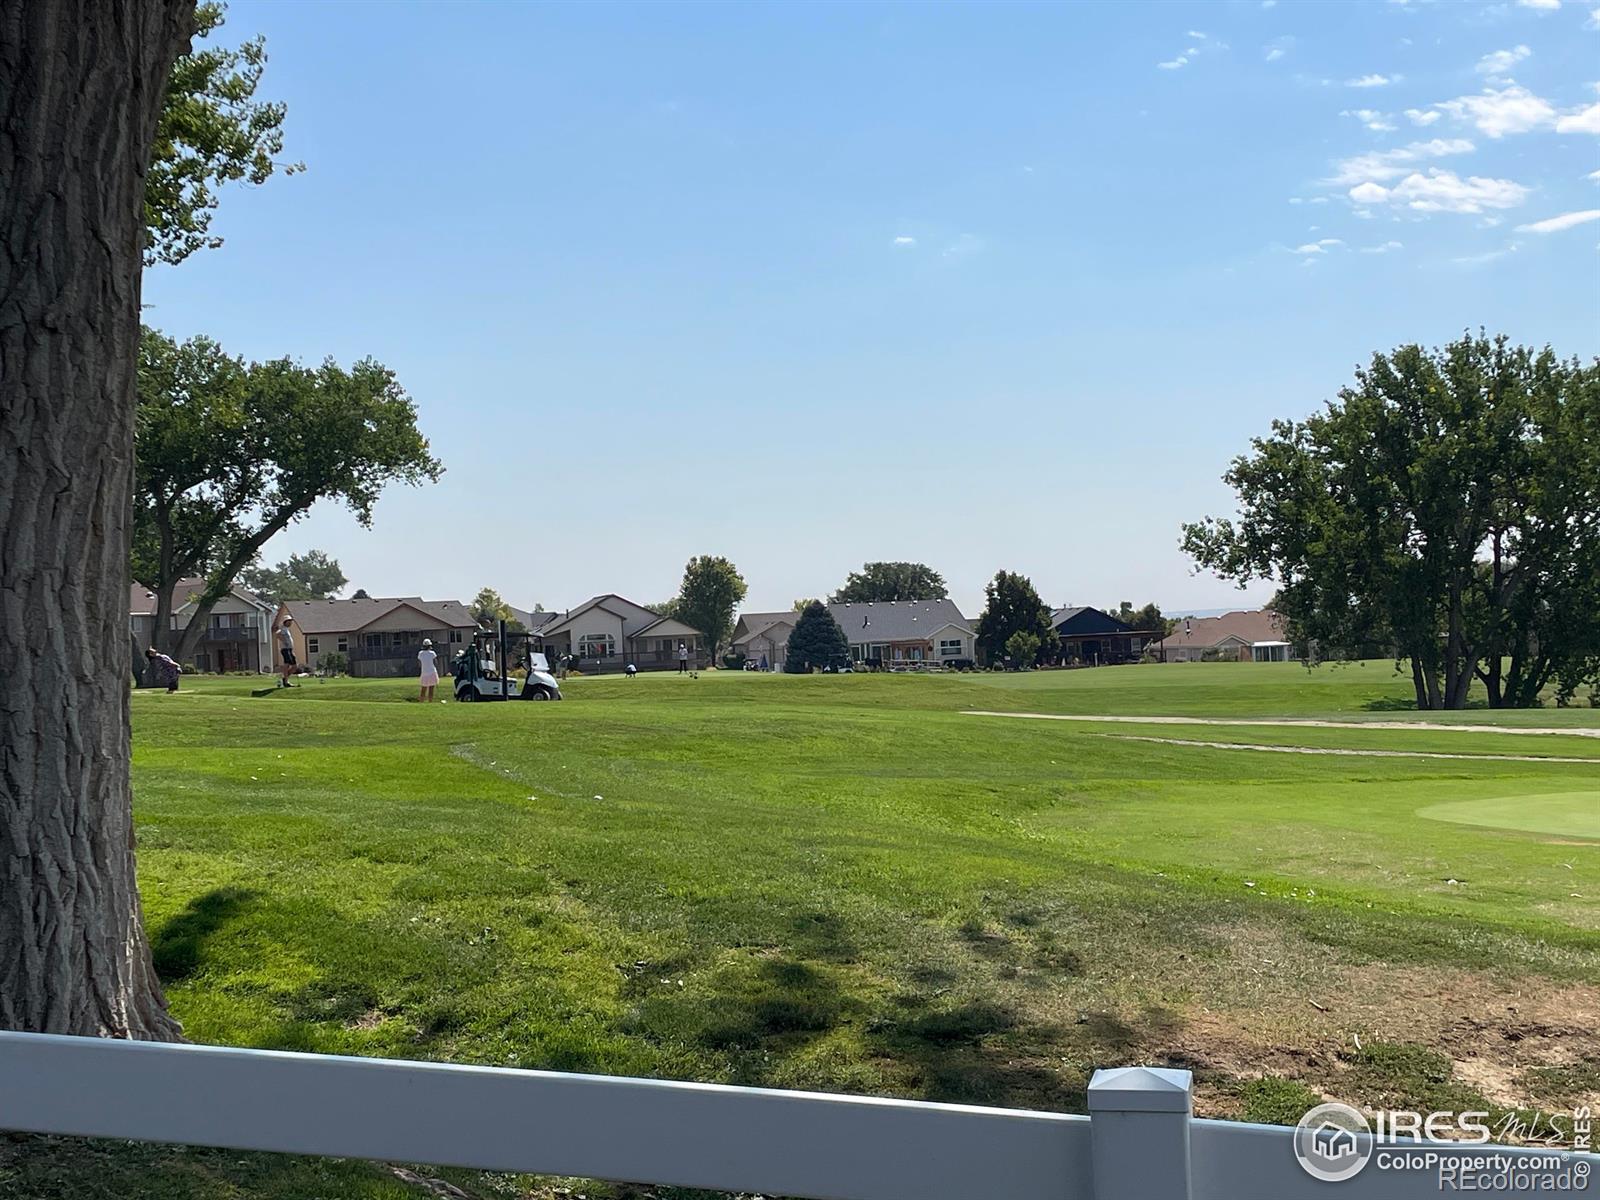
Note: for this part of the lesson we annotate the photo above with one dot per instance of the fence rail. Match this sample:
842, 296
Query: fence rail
1139, 1142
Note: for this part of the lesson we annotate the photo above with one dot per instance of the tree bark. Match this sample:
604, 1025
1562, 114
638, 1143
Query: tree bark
81, 86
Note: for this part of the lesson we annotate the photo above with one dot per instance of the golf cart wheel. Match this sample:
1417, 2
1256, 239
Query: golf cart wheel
468, 695
540, 693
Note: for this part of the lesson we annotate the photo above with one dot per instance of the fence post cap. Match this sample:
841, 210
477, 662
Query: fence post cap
1140, 1089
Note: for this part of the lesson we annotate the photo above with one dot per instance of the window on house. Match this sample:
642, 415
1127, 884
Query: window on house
399, 638
374, 641
949, 648
455, 635
344, 645
596, 645
311, 647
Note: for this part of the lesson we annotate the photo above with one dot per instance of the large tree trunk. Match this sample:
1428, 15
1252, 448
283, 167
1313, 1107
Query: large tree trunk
81, 86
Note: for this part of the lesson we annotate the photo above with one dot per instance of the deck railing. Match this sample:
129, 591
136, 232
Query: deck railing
1139, 1141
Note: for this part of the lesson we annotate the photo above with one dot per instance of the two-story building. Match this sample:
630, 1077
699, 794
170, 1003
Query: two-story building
238, 633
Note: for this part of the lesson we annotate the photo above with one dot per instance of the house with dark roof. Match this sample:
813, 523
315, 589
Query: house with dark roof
892, 634
606, 633
906, 634
378, 637
238, 634
1090, 637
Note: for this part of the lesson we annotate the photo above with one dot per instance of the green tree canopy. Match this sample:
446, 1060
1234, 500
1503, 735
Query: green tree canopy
212, 131
1023, 648
891, 581
1012, 606
711, 590
1147, 618
309, 576
815, 641
489, 609
1448, 505
230, 454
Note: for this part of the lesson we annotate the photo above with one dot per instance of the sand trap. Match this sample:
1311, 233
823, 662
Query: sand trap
1527, 758
1545, 731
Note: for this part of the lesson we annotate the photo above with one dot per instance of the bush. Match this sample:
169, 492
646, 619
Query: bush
333, 663
733, 661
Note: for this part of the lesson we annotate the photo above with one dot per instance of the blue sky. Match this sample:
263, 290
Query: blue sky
805, 285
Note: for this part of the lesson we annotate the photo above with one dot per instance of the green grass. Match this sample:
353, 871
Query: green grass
845, 883
1564, 814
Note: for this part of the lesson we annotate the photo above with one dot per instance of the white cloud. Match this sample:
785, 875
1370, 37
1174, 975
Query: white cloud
1203, 44
1320, 246
1594, 19
1390, 164
1374, 120
1478, 260
1499, 111
1423, 116
1372, 81
1564, 221
1385, 248
1594, 175
1445, 191
1274, 53
1583, 120
903, 240
1546, 5
1369, 193
1269, 3
1501, 61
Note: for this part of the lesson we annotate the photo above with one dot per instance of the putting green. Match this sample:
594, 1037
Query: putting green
1564, 814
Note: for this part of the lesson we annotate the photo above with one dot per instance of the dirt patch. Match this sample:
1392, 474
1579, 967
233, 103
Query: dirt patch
1491, 1031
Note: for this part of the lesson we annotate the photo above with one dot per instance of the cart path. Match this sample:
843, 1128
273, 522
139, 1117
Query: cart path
1522, 758
1304, 723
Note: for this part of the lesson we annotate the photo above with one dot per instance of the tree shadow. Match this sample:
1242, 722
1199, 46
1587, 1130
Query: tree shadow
178, 947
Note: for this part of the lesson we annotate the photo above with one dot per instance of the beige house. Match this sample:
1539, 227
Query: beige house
1249, 635
606, 633
764, 637
378, 637
238, 630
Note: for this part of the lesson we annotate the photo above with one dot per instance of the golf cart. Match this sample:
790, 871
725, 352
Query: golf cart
478, 676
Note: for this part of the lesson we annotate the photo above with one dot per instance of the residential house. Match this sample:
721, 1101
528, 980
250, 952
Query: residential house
238, 633
764, 637
606, 633
1248, 635
906, 633
378, 637
1092, 638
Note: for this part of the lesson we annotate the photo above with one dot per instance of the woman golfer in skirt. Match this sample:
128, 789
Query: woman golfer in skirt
429, 662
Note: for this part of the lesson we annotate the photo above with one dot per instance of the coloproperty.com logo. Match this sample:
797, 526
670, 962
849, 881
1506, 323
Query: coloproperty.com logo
1335, 1142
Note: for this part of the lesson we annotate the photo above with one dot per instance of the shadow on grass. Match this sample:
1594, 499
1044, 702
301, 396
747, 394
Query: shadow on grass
178, 947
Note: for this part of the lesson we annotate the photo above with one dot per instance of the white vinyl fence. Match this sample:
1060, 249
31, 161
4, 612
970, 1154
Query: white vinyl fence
1139, 1142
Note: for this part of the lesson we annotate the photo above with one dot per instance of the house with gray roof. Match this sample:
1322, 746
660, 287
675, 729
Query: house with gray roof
892, 634
764, 637
378, 637
906, 634
606, 633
